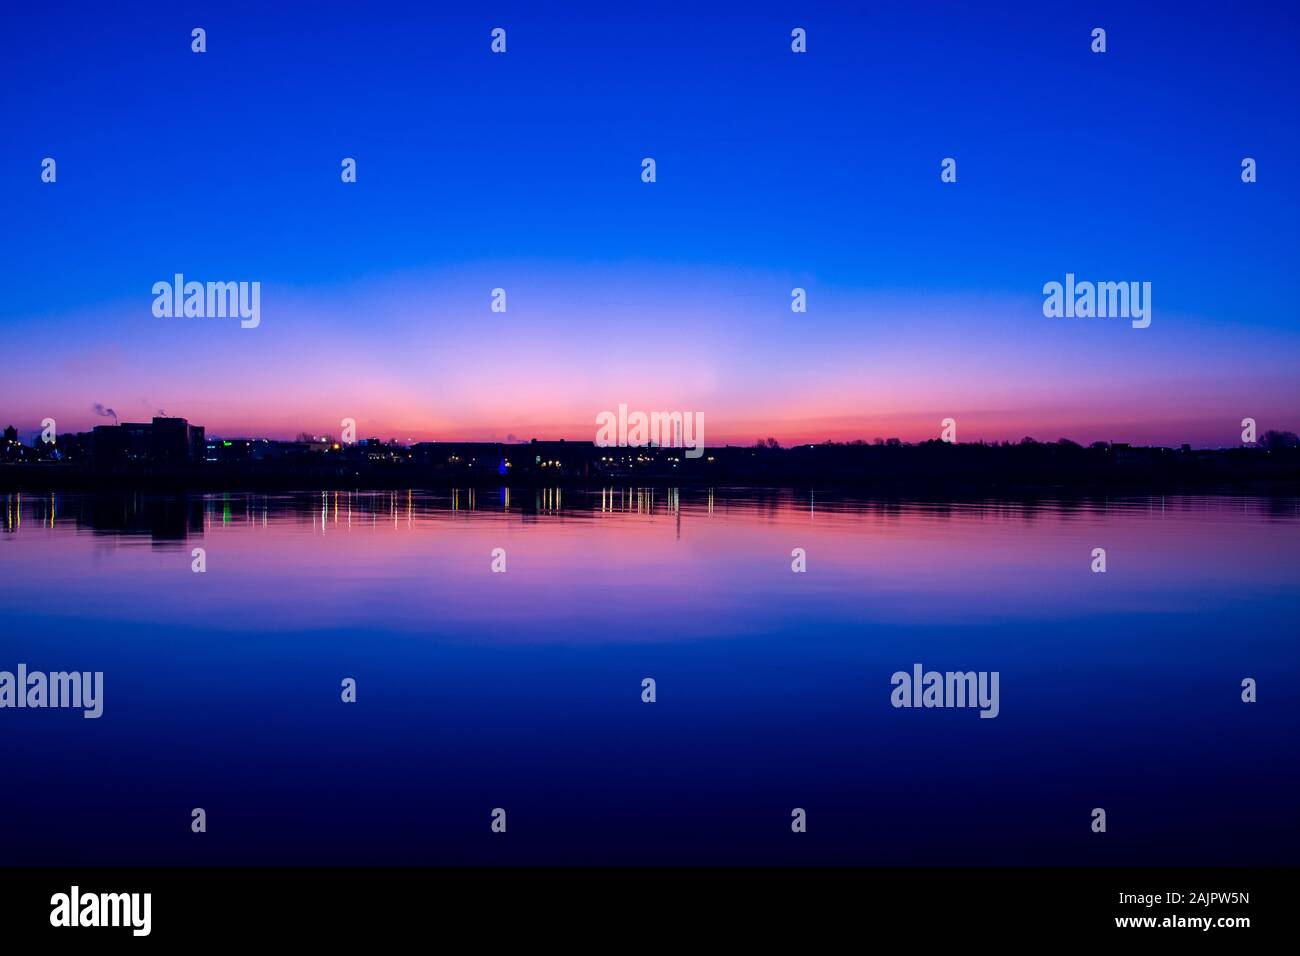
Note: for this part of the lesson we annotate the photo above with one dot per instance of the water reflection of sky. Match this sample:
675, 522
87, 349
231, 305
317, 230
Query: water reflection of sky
1118, 690
335, 558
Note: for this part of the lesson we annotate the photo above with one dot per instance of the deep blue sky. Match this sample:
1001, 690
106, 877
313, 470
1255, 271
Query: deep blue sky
818, 170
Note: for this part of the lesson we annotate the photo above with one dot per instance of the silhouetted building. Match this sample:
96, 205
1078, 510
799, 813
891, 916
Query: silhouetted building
138, 440
108, 445
11, 449
169, 441
163, 441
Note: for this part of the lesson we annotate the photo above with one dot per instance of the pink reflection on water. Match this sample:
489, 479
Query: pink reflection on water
638, 564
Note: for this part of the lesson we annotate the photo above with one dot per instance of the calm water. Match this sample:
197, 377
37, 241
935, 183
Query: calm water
522, 690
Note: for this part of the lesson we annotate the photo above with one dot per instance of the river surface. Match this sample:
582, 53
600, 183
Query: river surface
523, 690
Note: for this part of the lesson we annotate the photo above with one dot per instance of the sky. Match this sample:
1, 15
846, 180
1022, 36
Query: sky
775, 170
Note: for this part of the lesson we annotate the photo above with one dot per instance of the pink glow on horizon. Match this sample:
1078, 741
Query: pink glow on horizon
428, 361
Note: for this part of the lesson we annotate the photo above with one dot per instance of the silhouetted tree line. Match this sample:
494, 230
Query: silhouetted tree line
1273, 465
